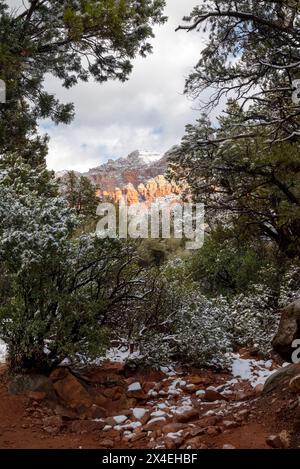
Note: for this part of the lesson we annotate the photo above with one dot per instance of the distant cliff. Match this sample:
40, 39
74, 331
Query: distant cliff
140, 177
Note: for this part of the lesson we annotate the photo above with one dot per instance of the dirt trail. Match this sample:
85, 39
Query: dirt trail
241, 420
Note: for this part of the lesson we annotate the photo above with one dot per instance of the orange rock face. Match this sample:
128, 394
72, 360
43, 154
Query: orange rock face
155, 188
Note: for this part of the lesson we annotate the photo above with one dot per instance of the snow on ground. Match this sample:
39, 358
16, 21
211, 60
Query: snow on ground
3, 351
118, 354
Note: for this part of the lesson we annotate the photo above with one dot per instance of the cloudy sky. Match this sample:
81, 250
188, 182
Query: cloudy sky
149, 112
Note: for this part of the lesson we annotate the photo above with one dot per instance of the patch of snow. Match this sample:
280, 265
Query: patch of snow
152, 393
3, 352
200, 393
135, 387
254, 371
173, 388
128, 426
119, 354
139, 412
120, 419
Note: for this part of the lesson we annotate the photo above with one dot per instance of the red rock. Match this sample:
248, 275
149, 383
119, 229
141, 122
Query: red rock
194, 379
86, 426
229, 424
173, 427
71, 391
52, 424
194, 443
139, 436
94, 412
173, 443
37, 396
294, 384
107, 443
280, 441
154, 424
208, 421
259, 389
244, 395
213, 431
211, 396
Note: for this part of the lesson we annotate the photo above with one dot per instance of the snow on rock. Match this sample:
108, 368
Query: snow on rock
254, 371
3, 351
168, 370
135, 387
139, 412
157, 419
159, 413
173, 388
174, 435
120, 419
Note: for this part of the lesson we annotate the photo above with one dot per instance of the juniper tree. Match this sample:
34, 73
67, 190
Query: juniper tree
252, 54
72, 41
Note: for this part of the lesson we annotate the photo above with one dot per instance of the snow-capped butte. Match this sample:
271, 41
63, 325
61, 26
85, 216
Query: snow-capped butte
149, 156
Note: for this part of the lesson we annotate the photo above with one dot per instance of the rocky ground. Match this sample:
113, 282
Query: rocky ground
113, 407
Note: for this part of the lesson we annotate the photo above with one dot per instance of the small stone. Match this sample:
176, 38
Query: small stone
37, 396
173, 443
86, 426
52, 424
259, 389
228, 447
213, 431
187, 416
173, 427
282, 440
107, 444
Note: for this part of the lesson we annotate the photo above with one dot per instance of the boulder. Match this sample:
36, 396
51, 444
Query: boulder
288, 330
281, 376
70, 390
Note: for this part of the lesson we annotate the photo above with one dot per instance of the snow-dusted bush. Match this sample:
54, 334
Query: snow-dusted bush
253, 320
290, 285
203, 330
